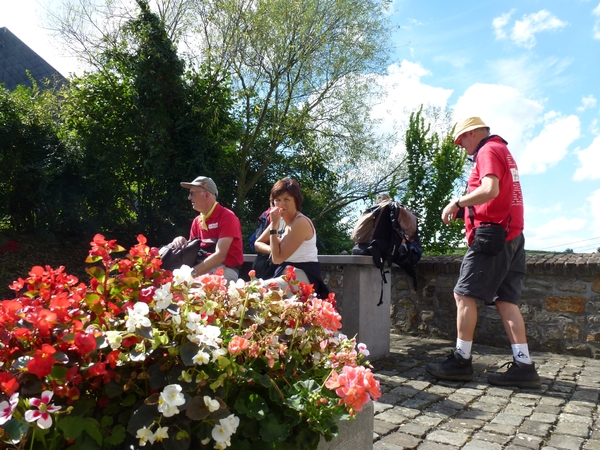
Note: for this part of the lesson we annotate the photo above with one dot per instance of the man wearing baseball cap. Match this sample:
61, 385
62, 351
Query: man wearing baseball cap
493, 268
218, 229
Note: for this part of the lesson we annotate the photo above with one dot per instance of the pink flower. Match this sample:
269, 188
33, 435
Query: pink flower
354, 386
238, 344
42, 414
7, 408
326, 315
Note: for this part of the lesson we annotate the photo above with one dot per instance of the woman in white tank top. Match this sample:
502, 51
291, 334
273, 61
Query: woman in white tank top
298, 245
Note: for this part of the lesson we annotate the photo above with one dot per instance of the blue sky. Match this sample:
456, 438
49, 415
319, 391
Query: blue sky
528, 68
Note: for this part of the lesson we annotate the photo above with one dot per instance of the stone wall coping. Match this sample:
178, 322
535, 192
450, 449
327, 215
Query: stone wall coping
537, 263
342, 260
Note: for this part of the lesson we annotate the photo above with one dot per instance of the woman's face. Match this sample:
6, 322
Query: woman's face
287, 203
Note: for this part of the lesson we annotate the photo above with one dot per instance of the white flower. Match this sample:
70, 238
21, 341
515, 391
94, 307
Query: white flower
137, 317
209, 335
201, 358
163, 297
114, 339
216, 354
182, 275
363, 349
41, 414
145, 435
211, 403
161, 434
7, 408
194, 321
223, 430
170, 398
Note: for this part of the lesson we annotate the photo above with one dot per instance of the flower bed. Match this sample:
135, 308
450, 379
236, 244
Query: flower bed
141, 356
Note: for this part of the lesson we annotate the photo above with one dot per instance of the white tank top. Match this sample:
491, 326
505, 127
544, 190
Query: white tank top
307, 252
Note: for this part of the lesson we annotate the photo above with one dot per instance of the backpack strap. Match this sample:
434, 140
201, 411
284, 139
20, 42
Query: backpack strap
379, 262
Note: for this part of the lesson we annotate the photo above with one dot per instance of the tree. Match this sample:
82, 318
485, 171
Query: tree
435, 167
142, 125
36, 170
299, 73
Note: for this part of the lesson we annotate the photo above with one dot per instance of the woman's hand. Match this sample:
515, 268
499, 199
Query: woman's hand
275, 215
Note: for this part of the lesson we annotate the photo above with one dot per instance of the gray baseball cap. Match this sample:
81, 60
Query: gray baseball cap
204, 183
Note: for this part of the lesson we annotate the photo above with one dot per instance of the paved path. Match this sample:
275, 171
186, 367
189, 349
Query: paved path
417, 411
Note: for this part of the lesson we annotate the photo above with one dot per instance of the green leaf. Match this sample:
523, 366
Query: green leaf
117, 435
252, 405
273, 431
97, 272
129, 400
73, 426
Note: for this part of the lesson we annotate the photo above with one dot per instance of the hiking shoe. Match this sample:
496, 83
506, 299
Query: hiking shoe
518, 374
455, 368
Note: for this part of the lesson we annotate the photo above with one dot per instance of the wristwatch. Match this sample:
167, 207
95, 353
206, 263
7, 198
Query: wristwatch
272, 231
194, 273
457, 203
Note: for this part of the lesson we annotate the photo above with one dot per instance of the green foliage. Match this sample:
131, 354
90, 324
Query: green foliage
35, 168
144, 124
435, 166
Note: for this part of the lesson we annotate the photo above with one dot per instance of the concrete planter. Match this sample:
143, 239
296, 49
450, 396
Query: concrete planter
354, 434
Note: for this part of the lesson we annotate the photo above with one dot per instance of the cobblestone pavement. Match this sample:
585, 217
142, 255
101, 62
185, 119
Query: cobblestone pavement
417, 411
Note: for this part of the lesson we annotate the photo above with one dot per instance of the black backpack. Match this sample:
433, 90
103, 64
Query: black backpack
262, 265
389, 233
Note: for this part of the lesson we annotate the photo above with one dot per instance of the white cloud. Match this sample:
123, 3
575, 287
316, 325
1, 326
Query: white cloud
524, 30
587, 102
545, 236
596, 12
505, 109
528, 74
405, 92
551, 145
594, 201
589, 160
499, 23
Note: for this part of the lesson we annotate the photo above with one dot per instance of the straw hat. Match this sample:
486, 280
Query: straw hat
469, 124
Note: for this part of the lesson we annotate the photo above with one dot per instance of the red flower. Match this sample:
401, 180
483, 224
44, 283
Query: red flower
84, 343
42, 362
290, 273
44, 321
146, 294
97, 369
8, 383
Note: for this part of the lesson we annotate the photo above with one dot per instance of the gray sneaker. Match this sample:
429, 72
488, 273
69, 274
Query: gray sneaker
518, 374
455, 368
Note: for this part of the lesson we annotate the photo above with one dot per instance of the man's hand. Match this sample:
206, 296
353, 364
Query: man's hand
178, 242
449, 212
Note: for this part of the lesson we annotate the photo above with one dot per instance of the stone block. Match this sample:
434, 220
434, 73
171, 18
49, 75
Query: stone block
355, 434
566, 303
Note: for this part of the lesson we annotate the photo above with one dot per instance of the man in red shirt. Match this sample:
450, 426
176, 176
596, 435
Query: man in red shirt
493, 268
218, 229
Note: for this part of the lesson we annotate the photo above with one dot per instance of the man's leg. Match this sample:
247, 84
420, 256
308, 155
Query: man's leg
458, 366
513, 322
466, 316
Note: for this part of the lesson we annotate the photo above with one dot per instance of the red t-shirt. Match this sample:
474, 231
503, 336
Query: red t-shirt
494, 158
222, 223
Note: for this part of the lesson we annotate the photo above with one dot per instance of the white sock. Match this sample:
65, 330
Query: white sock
521, 353
464, 348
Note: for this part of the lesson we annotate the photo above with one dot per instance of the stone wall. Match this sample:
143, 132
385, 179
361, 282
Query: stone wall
560, 304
